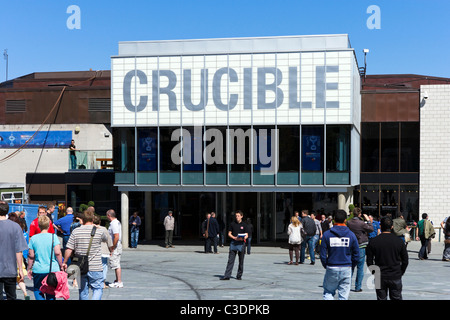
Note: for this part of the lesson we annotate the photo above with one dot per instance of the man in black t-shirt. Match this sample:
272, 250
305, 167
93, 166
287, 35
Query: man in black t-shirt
238, 233
388, 253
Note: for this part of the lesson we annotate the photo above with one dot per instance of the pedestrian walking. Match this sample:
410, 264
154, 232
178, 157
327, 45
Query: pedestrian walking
44, 256
34, 226
237, 232
339, 254
169, 225
115, 231
425, 232
13, 216
86, 240
205, 233
105, 247
446, 229
135, 223
388, 253
63, 226
309, 228
361, 227
376, 227
12, 245
400, 227
318, 235
213, 234
295, 239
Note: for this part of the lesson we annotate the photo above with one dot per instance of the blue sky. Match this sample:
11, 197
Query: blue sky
414, 37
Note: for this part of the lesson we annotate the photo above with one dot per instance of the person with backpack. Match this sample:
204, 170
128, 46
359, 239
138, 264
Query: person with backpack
425, 234
309, 229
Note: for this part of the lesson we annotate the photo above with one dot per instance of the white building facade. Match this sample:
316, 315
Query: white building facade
179, 108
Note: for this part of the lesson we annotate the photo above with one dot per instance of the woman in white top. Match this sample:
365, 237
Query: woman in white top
295, 239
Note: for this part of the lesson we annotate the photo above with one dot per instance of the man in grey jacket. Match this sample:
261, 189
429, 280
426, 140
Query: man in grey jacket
169, 225
360, 225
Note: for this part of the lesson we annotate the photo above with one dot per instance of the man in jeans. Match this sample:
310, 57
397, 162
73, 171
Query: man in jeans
79, 242
388, 253
425, 234
339, 253
361, 228
309, 226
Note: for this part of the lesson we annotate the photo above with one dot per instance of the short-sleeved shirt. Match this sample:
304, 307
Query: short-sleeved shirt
11, 242
114, 228
64, 223
79, 242
237, 228
41, 243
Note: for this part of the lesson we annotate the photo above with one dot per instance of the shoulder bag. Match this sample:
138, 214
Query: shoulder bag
82, 261
52, 280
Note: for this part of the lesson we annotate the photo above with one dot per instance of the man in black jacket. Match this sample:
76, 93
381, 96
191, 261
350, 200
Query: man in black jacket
388, 253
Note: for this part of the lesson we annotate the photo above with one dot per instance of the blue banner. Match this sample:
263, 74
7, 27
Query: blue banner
147, 151
312, 153
42, 139
31, 211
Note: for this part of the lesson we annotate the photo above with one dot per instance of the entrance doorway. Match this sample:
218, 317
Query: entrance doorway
189, 209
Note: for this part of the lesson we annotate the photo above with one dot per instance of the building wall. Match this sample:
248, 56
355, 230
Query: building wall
39, 160
435, 152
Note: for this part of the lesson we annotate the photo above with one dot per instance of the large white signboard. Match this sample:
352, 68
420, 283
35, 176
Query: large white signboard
235, 89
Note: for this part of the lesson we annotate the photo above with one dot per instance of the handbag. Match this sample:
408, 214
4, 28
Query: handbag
82, 261
52, 280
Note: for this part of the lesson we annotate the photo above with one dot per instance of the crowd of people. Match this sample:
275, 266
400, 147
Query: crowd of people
51, 246
347, 244
344, 244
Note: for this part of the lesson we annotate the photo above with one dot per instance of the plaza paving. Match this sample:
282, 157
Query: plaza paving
152, 272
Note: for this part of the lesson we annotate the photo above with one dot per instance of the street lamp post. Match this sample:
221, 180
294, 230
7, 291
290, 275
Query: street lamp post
5, 55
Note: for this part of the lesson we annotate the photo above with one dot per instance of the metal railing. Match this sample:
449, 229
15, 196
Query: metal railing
91, 160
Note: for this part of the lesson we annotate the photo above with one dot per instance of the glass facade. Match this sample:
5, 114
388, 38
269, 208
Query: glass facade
390, 166
199, 155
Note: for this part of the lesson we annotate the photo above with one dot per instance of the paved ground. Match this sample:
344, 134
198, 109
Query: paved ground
152, 272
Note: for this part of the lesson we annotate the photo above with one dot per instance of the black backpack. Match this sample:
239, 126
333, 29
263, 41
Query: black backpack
309, 226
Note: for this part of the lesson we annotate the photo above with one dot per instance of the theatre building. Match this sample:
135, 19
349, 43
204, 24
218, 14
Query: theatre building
265, 125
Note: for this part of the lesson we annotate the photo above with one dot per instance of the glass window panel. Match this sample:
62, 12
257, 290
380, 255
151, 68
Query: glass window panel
123, 149
264, 159
389, 147
370, 199
370, 147
147, 149
215, 155
410, 147
338, 154
389, 200
312, 155
409, 202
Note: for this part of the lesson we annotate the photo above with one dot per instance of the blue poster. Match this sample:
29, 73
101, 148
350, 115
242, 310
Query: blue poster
42, 139
312, 153
147, 153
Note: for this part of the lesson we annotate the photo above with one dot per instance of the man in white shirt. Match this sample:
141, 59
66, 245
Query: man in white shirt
115, 230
